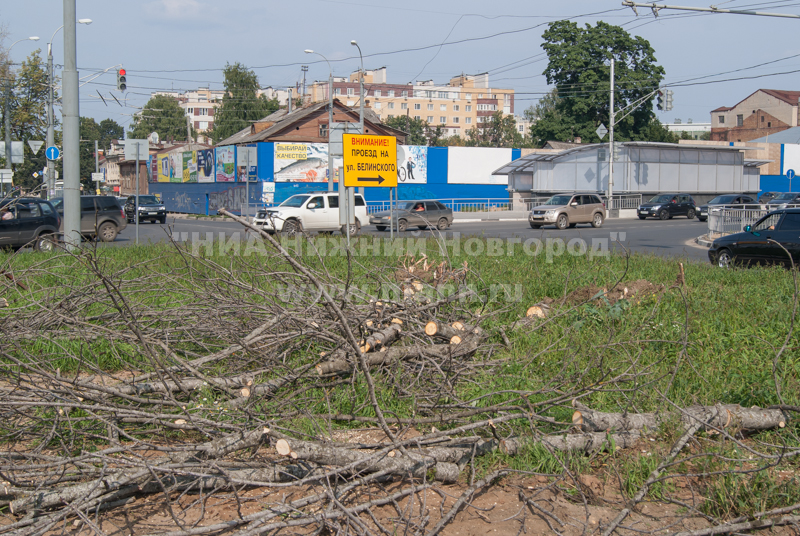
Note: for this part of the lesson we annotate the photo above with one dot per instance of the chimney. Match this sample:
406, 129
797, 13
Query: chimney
289, 102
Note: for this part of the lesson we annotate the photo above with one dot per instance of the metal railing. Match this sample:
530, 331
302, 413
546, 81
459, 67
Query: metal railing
722, 221
623, 201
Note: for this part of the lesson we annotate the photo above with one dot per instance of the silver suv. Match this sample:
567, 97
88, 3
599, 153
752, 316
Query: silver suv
568, 210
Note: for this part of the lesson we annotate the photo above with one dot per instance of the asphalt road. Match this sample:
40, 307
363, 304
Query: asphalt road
670, 238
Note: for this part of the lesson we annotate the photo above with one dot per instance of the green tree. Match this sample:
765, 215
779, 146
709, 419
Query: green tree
110, 130
241, 104
579, 67
161, 114
499, 131
90, 131
415, 128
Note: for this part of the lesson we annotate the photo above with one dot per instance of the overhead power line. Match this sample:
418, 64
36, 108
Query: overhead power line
656, 7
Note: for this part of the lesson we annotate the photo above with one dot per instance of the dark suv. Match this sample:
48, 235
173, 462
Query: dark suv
101, 216
28, 221
666, 206
150, 208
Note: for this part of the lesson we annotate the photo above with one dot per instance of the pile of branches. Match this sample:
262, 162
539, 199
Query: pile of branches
214, 380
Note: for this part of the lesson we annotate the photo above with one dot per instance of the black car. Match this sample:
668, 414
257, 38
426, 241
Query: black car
28, 221
101, 216
766, 197
727, 201
150, 208
783, 200
666, 206
759, 243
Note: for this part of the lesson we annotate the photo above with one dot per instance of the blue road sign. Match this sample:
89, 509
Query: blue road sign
790, 174
52, 153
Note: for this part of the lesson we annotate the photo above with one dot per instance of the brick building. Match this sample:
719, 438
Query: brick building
767, 111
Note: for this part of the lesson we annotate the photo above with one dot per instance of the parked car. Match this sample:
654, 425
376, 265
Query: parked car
101, 216
759, 243
727, 201
150, 209
766, 197
667, 206
28, 221
420, 213
783, 200
568, 210
315, 211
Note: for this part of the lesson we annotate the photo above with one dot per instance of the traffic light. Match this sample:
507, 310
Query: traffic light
668, 102
660, 100
121, 85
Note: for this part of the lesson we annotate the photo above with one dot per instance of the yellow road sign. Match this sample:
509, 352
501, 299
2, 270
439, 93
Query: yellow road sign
370, 160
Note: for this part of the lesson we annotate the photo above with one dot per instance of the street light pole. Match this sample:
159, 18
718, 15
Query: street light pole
330, 116
71, 115
360, 88
6, 108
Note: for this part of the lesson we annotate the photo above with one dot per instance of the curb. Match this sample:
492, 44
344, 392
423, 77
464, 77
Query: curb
703, 241
181, 216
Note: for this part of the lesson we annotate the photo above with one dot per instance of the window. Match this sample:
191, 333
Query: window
468, 108
389, 116
377, 93
769, 124
323, 130
189, 110
337, 91
442, 107
391, 93
487, 107
521, 128
762, 118
202, 125
456, 108
443, 119
202, 111
430, 119
403, 105
430, 107
455, 120
360, 201
318, 200
739, 120
469, 97
333, 201
417, 117
721, 119
417, 106
87, 204
391, 106
468, 120
45, 207
791, 222
443, 94
350, 91
377, 105
405, 94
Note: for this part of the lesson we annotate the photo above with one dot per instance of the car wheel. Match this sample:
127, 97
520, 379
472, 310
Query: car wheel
597, 220
402, 225
562, 222
107, 232
354, 228
701, 218
442, 224
724, 258
163, 220
45, 243
291, 228
535, 226
380, 227
663, 215
642, 217
690, 214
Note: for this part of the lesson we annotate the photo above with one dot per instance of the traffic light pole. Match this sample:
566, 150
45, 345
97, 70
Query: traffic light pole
611, 143
50, 179
71, 115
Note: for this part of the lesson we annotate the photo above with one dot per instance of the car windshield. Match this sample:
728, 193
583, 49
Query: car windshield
722, 199
57, 202
786, 196
296, 201
559, 200
661, 199
148, 200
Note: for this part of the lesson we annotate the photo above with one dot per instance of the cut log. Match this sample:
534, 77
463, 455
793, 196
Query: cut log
730, 416
588, 442
382, 338
539, 310
442, 331
400, 353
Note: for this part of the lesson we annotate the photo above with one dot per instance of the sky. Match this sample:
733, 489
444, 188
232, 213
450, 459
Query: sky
710, 60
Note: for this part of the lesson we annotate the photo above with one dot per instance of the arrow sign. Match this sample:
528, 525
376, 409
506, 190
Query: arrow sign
52, 153
379, 179
35, 145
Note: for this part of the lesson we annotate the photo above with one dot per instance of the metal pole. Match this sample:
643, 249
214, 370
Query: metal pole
655, 7
51, 179
247, 185
136, 211
96, 167
330, 128
6, 110
391, 214
611, 143
71, 115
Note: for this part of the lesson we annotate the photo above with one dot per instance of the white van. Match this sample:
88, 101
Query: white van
315, 211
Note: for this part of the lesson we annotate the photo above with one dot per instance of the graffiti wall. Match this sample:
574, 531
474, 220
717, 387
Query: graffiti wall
233, 198
225, 164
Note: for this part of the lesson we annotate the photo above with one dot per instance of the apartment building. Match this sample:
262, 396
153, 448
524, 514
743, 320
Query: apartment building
199, 105
466, 101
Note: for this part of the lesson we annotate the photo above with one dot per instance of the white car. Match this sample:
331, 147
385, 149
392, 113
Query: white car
316, 211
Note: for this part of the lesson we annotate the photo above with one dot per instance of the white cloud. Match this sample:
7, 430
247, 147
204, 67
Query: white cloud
174, 9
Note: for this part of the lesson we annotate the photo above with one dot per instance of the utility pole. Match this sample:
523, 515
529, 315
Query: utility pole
656, 7
611, 143
96, 167
304, 68
51, 165
6, 112
188, 130
71, 115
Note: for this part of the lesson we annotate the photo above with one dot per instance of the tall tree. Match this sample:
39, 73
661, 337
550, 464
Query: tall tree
579, 67
161, 114
241, 104
110, 130
419, 132
499, 131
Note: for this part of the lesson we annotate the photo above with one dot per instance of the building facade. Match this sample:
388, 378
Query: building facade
465, 102
767, 111
695, 130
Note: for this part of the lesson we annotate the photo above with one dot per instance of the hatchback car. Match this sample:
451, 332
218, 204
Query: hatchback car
766, 197
761, 243
101, 216
667, 206
568, 210
784, 200
28, 221
727, 201
414, 213
150, 209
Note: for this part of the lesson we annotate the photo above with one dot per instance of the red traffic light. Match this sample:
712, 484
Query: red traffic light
121, 72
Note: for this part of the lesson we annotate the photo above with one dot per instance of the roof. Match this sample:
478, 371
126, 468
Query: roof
790, 97
756, 163
526, 163
790, 135
722, 109
561, 145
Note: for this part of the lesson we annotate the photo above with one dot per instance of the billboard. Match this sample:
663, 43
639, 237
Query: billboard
474, 165
225, 164
412, 164
190, 166
302, 162
246, 156
205, 165
165, 167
